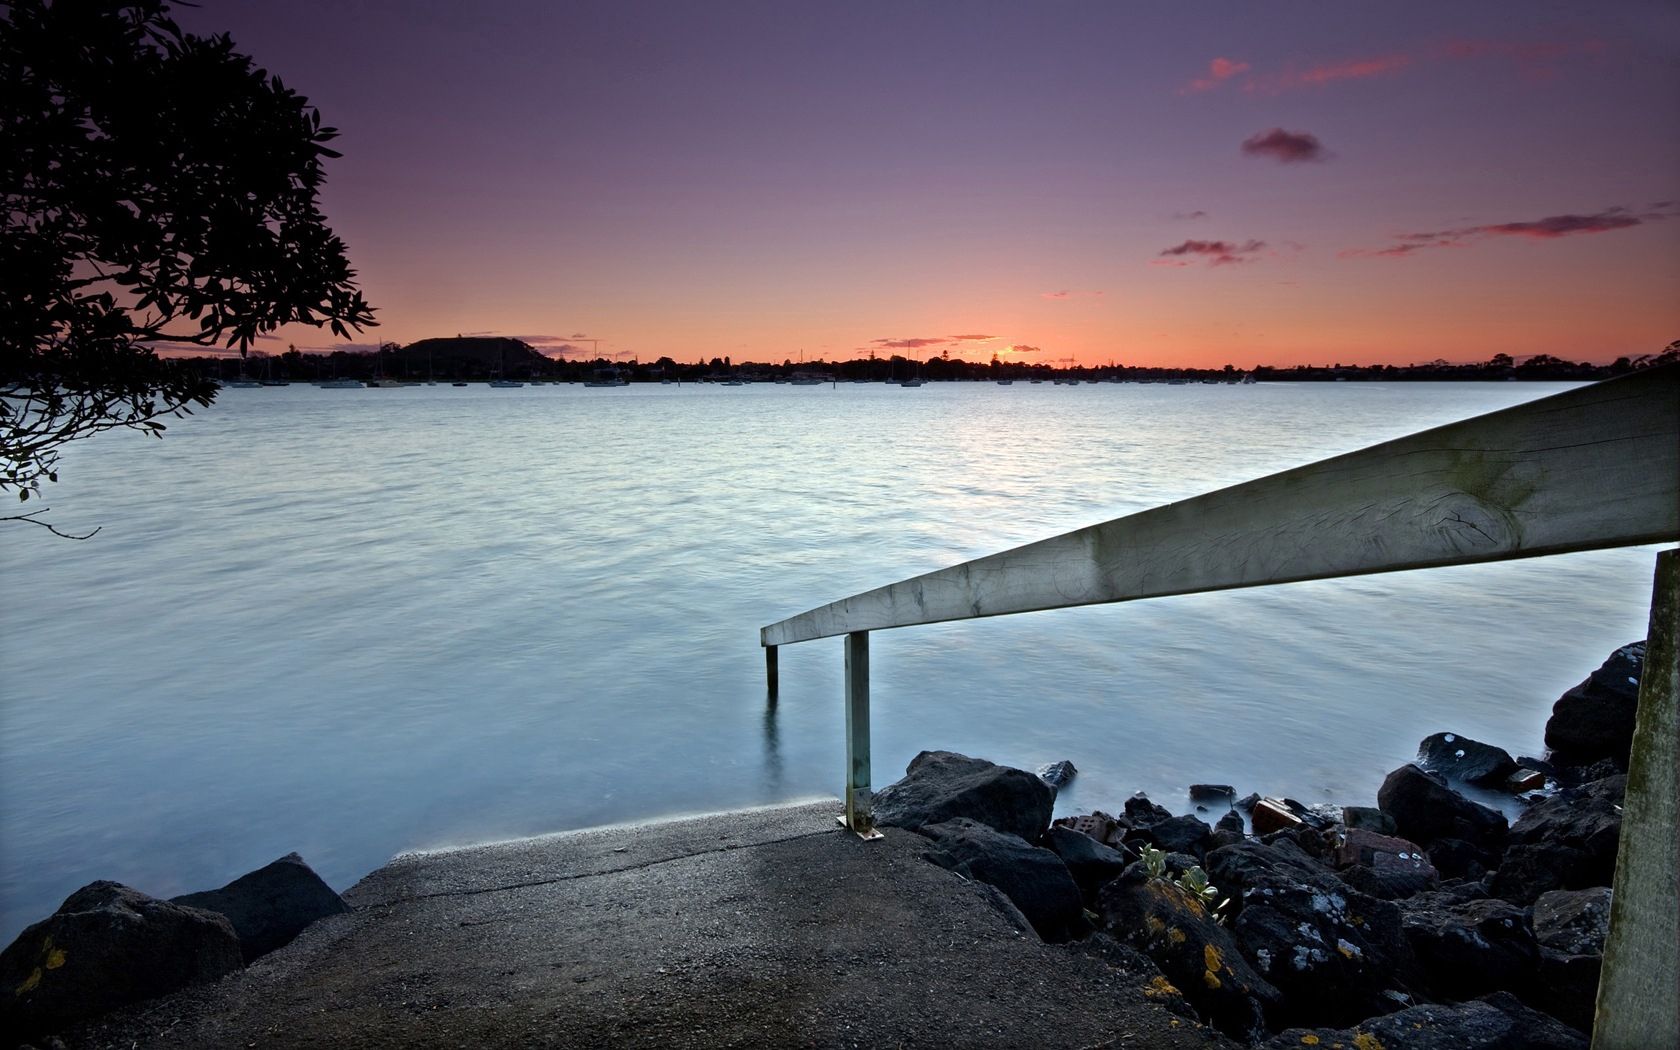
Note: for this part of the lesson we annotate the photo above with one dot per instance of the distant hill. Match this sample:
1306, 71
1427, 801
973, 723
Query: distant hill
473, 353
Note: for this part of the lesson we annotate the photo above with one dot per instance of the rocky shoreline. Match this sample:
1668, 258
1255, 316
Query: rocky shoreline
1426, 920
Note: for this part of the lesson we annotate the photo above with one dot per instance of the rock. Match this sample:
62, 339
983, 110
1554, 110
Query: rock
1595, 719
1309, 840
1196, 954
1097, 825
1566, 986
1035, 879
1469, 949
1271, 815
1574, 922
1368, 818
1425, 809
1457, 859
1184, 834
1057, 774
1138, 967
1213, 793
1587, 818
1142, 813
941, 785
1388, 884
1604, 767
1498, 1022
1461, 758
108, 945
1525, 872
1383, 866
1331, 950
1524, 780
1246, 803
271, 905
1089, 862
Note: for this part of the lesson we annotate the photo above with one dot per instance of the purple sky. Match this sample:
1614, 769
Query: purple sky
1152, 185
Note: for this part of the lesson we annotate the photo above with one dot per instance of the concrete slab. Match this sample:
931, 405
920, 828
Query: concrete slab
761, 928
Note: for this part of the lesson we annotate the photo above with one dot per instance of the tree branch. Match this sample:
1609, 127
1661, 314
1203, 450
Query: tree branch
31, 519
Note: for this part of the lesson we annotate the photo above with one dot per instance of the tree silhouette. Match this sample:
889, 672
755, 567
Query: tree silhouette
158, 188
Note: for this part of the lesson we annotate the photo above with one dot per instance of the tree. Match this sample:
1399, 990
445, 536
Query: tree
159, 188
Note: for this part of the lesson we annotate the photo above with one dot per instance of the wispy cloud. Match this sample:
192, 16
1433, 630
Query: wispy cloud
1218, 72
1285, 147
1533, 59
1066, 294
973, 338
1185, 216
1548, 228
1021, 348
1217, 253
911, 344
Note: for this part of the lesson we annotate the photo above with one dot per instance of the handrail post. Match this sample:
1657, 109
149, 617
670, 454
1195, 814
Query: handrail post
858, 816
771, 675
1641, 967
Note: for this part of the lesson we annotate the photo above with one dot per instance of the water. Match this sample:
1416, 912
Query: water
354, 622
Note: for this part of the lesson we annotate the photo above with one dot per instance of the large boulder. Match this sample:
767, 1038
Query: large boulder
1594, 720
1460, 758
1382, 865
106, 946
1498, 1022
1587, 818
1333, 952
1574, 922
1424, 809
1527, 871
1471, 948
271, 905
1172, 926
1089, 862
1034, 879
941, 785
1186, 834
1566, 986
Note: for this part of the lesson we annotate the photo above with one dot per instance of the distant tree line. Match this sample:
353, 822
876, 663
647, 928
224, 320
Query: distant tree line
478, 359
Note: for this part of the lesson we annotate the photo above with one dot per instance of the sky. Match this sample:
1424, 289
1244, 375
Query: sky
1157, 185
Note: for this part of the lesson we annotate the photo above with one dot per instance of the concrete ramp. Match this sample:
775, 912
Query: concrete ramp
763, 928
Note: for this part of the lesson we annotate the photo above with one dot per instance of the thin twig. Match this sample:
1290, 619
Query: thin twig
30, 517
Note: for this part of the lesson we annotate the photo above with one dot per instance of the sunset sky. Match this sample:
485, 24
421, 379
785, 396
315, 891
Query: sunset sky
1153, 185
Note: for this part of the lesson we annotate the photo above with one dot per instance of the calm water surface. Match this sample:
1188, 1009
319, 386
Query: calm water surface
355, 622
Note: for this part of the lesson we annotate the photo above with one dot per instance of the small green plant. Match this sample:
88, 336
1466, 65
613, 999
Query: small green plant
1194, 880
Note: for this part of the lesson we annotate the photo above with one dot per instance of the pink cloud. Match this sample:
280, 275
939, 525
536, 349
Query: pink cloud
1217, 253
1548, 228
1219, 71
1286, 147
1065, 295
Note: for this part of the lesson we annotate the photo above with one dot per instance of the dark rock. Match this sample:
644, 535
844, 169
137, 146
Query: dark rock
1574, 922
1368, 818
1247, 802
1425, 809
1604, 767
1269, 815
106, 946
1213, 793
271, 905
1457, 859
1184, 834
1460, 758
1470, 949
1587, 818
1331, 950
1197, 955
1089, 862
1595, 719
1525, 872
1389, 884
1097, 825
1551, 771
1525, 780
1142, 813
1357, 846
1057, 774
1308, 840
1138, 967
1035, 879
1179, 863
1566, 986
940, 785
1498, 1022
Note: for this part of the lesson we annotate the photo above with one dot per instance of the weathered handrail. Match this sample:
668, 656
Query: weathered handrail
1591, 468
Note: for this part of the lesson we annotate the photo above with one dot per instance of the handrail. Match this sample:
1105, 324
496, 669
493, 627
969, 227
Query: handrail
1590, 468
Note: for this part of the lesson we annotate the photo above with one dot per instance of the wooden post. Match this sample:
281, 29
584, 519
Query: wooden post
858, 816
1639, 986
771, 676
